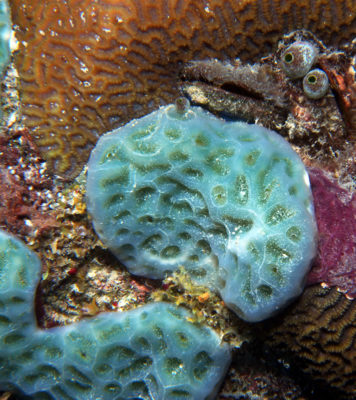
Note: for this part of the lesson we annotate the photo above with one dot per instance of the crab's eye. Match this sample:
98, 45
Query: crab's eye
298, 58
315, 84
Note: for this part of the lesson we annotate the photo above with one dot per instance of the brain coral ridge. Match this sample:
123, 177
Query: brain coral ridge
152, 352
89, 66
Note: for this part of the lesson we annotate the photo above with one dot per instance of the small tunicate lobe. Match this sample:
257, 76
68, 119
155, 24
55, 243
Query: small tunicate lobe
298, 58
316, 84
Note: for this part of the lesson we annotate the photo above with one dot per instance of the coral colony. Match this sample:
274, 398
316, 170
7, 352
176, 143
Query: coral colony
229, 201
153, 351
102, 66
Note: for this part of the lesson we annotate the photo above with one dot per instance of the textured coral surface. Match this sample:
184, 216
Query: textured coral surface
151, 352
229, 201
335, 210
320, 330
88, 66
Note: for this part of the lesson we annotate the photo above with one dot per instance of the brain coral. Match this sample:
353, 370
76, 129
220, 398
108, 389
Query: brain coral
150, 352
5, 31
229, 201
320, 331
88, 66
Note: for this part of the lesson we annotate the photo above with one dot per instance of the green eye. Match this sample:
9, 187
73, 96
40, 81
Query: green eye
288, 58
312, 79
315, 84
298, 58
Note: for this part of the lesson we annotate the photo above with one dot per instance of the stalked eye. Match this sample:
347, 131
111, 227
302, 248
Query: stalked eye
298, 58
315, 84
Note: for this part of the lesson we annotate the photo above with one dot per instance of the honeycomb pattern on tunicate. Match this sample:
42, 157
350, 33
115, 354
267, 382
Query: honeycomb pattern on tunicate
228, 201
152, 352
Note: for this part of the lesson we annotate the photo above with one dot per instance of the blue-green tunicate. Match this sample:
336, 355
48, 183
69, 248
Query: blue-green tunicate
5, 32
230, 202
150, 352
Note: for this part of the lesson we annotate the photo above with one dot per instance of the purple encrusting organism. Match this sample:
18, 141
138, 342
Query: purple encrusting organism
335, 211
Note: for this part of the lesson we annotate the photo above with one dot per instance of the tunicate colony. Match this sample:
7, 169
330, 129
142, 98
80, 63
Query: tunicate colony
150, 352
5, 32
228, 201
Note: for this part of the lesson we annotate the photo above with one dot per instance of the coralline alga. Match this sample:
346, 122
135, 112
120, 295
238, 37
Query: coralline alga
229, 201
150, 352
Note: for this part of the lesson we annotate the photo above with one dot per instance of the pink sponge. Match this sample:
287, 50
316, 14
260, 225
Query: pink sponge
335, 211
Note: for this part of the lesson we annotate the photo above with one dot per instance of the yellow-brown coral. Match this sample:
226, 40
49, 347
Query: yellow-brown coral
320, 330
88, 66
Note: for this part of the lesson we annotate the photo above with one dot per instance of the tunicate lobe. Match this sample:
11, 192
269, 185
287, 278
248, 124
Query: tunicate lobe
228, 201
